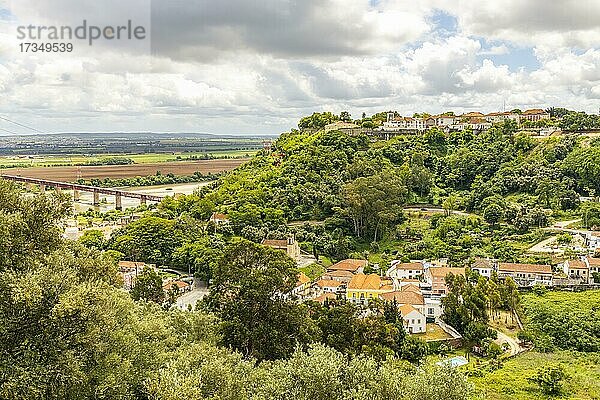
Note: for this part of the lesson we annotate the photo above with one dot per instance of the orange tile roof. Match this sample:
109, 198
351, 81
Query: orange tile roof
530, 268
534, 111
407, 309
441, 272
179, 284
328, 283
218, 216
302, 279
325, 296
410, 287
349, 264
404, 297
275, 243
339, 274
593, 261
577, 264
131, 264
365, 282
409, 266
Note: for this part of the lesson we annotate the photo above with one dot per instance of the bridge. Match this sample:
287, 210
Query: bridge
77, 189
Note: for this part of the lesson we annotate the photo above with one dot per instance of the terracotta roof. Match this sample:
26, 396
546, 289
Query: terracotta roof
349, 264
339, 274
534, 111
131, 264
531, 268
577, 264
179, 284
409, 266
365, 282
410, 288
387, 287
325, 296
302, 279
275, 243
404, 297
407, 309
482, 263
218, 216
328, 283
593, 261
443, 271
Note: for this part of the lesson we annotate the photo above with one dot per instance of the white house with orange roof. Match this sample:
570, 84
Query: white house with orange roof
410, 270
535, 114
594, 265
436, 276
414, 320
302, 286
578, 270
526, 274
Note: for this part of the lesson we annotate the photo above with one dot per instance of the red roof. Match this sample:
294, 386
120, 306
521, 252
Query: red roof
530, 268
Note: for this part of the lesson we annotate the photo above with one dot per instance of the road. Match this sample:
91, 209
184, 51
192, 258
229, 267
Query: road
544, 247
436, 210
514, 347
192, 297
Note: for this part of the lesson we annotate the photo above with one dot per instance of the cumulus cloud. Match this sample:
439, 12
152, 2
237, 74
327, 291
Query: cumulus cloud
256, 66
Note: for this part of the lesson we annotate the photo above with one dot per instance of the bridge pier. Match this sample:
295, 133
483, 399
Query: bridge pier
96, 198
42, 188
118, 202
58, 189
143, 200
76, 195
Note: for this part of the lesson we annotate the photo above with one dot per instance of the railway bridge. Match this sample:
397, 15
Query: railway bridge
77, 189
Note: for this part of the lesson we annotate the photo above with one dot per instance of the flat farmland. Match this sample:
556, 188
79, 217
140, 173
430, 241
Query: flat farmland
72, 173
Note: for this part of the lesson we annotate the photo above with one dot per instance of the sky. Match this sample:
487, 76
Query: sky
256, 67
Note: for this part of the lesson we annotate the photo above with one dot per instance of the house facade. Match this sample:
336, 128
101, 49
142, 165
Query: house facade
411, 270
437, 277
289, 245
365, 288
526, 274
577, 270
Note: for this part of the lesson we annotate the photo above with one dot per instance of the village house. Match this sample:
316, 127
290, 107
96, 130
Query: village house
364, 288
592, 241
129, 270
484, 266
594, 265
411, 270
218, 219
302, 288
533, 115
352, 265
526, 274
578, 270
322, 286
414, 320
338, 275
325, 297
177, 286
289, 245
436, 276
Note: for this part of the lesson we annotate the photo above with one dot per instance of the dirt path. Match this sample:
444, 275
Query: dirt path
514, 349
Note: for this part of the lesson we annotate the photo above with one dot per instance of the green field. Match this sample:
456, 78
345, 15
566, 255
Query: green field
510, 382
146, 158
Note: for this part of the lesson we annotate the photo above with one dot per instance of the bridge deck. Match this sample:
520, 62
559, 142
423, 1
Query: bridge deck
82, 188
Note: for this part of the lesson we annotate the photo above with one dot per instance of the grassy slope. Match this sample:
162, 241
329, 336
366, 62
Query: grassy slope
510, 382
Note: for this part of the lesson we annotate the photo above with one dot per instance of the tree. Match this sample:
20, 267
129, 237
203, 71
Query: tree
374, 201
148, 286
250, 293
549, 379
29, 226
93, 239
493, 214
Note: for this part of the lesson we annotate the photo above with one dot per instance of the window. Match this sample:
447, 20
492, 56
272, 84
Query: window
430, 311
